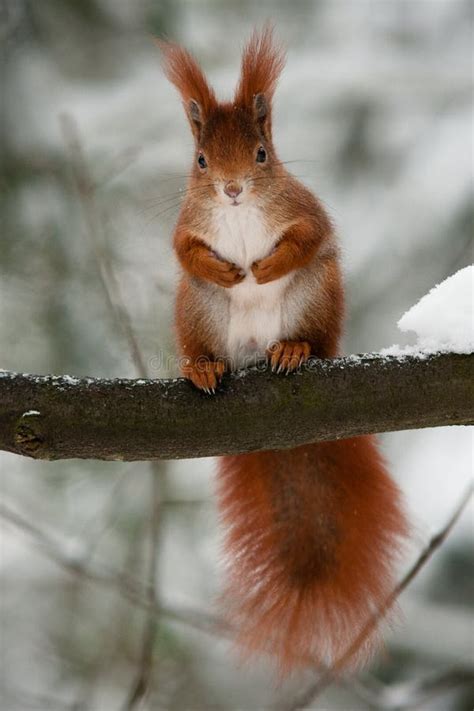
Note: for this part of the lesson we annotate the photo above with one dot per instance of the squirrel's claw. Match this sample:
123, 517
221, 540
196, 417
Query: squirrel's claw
205, 374
288, 355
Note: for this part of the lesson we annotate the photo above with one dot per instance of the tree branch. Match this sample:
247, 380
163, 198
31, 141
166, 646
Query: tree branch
59, 417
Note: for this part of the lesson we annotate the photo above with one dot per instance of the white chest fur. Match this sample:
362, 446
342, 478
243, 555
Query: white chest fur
255, 314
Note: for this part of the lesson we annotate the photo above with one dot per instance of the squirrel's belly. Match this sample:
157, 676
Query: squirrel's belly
255, 317
255, 320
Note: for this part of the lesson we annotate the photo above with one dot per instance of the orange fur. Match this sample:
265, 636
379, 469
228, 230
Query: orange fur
313, 532
199, 261
262, 64
183, 71
311, 537
294, 251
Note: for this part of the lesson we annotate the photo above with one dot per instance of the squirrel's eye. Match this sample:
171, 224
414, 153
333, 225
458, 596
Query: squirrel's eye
202, 161
261, 155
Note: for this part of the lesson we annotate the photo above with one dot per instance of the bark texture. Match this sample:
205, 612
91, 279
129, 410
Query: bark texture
59, 417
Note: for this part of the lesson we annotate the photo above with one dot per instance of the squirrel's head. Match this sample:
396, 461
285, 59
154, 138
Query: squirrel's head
234, 156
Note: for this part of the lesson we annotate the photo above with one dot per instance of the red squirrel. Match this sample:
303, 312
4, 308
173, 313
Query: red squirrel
312, 532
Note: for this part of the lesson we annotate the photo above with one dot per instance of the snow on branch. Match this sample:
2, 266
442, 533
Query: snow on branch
59, 417
443, 319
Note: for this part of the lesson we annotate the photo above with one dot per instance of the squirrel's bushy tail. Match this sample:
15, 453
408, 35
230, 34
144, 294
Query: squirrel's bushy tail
311, 538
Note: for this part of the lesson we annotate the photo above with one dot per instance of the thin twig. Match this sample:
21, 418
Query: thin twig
104, 520
410, 695
419, 692
117, 306
133, 592
330, 674
141, 684
85, 188
127, 587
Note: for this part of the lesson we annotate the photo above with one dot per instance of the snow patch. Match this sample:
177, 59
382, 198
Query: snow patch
69, 379
443, 319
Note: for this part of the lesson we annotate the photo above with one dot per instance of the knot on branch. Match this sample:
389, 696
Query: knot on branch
29, 435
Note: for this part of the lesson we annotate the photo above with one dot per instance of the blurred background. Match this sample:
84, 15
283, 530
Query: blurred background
375, 111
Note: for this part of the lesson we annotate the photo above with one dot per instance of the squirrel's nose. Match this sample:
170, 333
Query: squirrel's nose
232, 189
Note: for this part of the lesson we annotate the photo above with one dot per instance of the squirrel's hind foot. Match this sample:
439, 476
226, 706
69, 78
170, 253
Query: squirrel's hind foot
204, 374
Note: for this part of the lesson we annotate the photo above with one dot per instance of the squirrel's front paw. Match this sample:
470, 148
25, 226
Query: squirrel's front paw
268, 269
222, 273
204, 374
288, 355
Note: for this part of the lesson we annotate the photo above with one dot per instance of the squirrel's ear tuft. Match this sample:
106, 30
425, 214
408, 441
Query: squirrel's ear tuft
262, 63
184, 72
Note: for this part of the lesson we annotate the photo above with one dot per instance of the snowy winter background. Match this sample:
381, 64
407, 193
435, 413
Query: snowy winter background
375, 110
